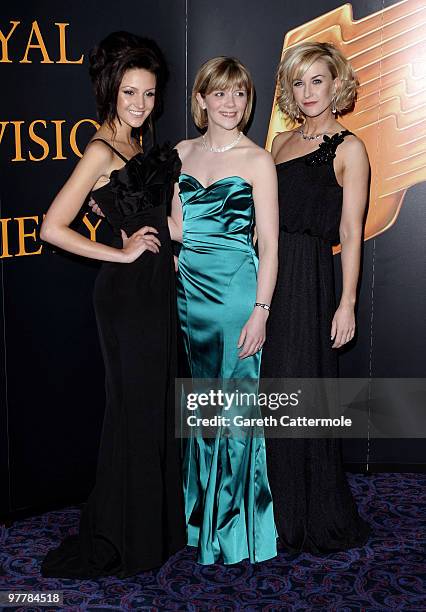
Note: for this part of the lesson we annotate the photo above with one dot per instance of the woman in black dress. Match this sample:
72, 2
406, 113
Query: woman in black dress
134, 518
323, 175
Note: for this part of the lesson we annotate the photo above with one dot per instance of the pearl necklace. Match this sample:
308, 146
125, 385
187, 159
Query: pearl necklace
223, 148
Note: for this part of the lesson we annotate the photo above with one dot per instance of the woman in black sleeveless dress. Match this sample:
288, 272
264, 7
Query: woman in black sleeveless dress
323, 184
134, 518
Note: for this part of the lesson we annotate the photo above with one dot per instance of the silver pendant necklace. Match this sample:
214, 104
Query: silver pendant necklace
223, 148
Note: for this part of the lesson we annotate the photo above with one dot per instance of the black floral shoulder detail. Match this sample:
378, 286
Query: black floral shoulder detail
326, 152
146, 180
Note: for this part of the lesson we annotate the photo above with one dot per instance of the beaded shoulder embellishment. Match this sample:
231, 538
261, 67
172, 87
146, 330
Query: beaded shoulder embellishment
326, 152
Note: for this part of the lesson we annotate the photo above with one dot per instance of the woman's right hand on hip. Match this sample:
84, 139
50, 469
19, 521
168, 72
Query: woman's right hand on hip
139, 242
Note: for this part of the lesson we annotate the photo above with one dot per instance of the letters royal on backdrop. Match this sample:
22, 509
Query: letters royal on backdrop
24, 231
35, 42
39, 131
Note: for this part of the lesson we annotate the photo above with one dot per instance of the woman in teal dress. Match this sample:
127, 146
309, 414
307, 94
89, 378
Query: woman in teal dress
224, 294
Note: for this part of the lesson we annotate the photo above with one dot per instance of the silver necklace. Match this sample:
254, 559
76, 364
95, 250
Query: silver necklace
224, 147
306, 137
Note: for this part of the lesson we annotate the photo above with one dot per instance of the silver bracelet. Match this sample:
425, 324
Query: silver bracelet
265, 306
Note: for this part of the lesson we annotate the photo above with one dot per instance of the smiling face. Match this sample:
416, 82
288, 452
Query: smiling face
136, 97
225, 108
314, 90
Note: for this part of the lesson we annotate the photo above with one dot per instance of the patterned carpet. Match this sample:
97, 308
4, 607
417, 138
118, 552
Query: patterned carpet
387, 574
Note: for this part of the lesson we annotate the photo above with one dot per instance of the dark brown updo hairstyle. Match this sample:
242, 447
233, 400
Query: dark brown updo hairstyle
108, 61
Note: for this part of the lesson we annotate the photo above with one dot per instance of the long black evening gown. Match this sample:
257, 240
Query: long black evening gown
134, 518
314, 508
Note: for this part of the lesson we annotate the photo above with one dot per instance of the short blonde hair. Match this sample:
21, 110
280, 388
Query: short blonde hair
298, 59
219, 74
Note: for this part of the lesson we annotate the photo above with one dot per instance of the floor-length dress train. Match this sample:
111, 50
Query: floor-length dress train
134, 518
227, 497
314, 507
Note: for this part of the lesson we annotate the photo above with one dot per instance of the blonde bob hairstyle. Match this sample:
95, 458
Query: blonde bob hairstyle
219, 74
296, 62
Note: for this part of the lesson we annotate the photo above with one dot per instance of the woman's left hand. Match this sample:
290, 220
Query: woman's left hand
253, 334
343, 326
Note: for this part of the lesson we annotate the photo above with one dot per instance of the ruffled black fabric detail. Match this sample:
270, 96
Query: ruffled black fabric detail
326, 152
146, 180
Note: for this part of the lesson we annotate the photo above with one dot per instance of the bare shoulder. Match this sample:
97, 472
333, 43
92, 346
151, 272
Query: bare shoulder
353, 148
280, 141
259, 166
281, 138
98, 151
257, 155
186, 147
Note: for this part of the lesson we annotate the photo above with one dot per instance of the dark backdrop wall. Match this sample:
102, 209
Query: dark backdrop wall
52, 375
51, 383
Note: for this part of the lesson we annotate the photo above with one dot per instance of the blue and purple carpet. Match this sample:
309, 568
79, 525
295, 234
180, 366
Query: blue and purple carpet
387, 574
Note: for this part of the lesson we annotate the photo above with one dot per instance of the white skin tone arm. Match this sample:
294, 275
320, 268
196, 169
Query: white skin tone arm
175, 218
265, 198
354, 179
96, 162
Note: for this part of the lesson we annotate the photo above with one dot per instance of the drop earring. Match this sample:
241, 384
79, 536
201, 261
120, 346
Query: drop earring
333, 104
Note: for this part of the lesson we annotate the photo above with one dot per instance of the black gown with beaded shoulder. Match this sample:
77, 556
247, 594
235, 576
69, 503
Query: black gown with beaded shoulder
134, 518
314, 508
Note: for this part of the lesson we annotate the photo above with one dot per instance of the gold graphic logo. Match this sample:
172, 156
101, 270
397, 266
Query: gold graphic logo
388, 52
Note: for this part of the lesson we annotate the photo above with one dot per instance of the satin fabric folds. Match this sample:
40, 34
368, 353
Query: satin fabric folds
228, 503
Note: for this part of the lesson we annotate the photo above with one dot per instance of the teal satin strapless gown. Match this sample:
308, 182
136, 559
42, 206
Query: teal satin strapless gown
228, 502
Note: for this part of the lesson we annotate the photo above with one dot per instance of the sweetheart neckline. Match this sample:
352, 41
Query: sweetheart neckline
224, 178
